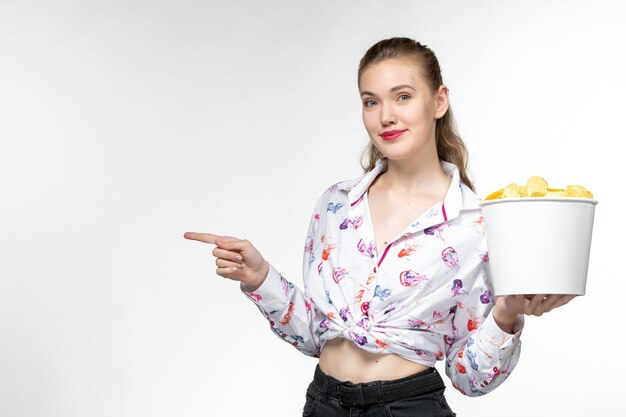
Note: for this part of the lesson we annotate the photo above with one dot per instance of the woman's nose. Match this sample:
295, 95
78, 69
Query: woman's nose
387, 115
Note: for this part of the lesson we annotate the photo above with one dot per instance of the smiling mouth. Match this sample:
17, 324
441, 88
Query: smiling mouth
392, 135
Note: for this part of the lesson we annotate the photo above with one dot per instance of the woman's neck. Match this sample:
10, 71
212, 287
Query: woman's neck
415, 177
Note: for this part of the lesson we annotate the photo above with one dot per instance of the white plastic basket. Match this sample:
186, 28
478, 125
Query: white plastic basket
539, 245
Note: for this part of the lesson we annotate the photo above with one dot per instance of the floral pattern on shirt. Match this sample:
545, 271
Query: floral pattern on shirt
426, 297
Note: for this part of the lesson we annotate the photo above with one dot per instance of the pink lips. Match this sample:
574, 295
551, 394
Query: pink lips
392, 134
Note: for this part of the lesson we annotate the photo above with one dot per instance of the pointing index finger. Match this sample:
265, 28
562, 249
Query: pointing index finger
201, 237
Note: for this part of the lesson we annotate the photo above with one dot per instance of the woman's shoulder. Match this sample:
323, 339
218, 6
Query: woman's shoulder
470, 200
335, 195
341, 187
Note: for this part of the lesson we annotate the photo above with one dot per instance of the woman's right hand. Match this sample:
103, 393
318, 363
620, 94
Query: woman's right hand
236, 259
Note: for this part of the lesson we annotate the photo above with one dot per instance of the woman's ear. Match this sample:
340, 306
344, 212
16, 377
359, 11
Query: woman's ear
441, 101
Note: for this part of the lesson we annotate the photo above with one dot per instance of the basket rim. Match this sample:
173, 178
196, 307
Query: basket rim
529, 199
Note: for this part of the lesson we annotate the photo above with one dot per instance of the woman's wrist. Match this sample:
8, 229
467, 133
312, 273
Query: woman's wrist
251, 287
503, 318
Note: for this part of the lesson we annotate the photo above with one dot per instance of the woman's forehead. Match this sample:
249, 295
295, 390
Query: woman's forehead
383, 76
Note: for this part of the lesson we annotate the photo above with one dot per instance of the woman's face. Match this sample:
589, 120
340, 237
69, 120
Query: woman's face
399, 110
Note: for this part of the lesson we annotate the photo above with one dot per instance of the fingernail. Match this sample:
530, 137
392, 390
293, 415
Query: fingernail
238, 257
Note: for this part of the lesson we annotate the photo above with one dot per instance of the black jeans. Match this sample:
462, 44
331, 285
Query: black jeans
322, 399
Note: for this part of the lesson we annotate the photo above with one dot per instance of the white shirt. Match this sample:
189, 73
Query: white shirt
426, 296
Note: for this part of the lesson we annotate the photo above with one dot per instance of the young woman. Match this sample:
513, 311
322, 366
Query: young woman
395, 264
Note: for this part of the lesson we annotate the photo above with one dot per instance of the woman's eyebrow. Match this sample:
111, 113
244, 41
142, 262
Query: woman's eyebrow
396, 88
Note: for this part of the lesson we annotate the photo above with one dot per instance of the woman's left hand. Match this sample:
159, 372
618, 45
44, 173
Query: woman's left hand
509, 306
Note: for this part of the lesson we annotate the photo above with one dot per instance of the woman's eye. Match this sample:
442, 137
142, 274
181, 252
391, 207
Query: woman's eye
404, 97
369, 103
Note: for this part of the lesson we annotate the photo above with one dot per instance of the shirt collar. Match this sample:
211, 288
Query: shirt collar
458, 197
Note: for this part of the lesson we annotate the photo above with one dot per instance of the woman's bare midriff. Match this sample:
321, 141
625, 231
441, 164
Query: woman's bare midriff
345, 361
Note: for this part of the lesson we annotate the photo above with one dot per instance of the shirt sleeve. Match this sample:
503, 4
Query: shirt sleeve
291, 316
480, 355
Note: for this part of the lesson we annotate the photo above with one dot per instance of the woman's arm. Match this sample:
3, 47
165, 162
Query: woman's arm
480, 355
291, 316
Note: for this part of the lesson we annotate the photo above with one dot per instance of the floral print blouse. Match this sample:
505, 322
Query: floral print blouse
426, 297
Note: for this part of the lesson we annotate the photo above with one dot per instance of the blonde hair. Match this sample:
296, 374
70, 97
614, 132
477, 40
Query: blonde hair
450, 146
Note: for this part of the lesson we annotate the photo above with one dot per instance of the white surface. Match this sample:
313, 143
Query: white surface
125, 124
539, 245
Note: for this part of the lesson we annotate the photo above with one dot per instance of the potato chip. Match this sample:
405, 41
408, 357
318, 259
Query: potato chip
578, 191
509, 192
536, 186
557, 193
523, 191
515, 187
495, 195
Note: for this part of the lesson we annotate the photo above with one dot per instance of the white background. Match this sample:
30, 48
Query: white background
124, 124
